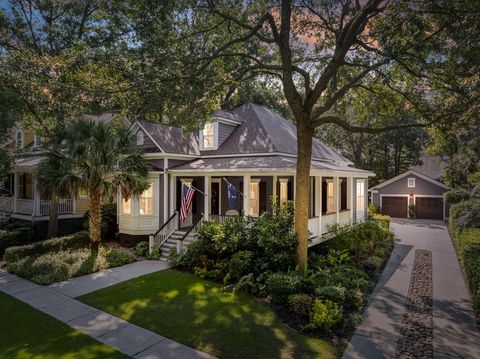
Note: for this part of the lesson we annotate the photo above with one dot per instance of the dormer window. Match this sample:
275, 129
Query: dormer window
209, 136
140, 138
19, 139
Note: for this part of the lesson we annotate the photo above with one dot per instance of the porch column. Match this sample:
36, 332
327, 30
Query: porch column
350, 197
318, 207
336, 197
206, 198
274, 189
15, 191
165, 191
246, 195
36, 199
173, 191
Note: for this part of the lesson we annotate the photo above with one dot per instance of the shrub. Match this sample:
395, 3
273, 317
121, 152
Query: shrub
331, 292
354, 299
281, 285
15, 235
300, 304
372, 264
142, 248
118, 256
324, 315
456, 195
465, 215
77, 240
382, 218
241, 264
373, 209
155, 255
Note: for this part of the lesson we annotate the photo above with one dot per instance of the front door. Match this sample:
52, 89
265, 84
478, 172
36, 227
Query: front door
215, 198
187, 222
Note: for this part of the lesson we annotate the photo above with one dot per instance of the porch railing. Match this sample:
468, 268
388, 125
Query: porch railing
6, 206
24, 206
219, 218
191, 234
65, 206
165, 231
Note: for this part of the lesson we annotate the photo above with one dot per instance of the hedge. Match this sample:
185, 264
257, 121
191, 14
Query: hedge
76, 240
468, 247
15, 236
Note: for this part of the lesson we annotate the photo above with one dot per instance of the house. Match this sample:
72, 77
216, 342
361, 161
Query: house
22, 201
253, 149
413, 188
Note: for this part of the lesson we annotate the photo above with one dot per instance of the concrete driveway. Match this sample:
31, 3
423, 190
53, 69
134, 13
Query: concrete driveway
421, 307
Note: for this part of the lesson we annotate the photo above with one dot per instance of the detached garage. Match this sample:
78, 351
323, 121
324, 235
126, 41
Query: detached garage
411, 187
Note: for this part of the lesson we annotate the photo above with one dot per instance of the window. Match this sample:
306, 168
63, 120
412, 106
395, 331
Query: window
343, 194
19, 139
255, 197
127, 205
330, 197
411, 182
360, 199
207, 137
311, 204
82, 194
146, 201
140, 138
283, 191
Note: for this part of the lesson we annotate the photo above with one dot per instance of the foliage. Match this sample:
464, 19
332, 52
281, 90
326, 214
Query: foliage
15, 234
141, 249
412, 211
46, 336
155, 255
456, 195
465, 214
77, 240
382, 218
65, 264
300, 304
281, 285
98, 158
373, 209
324, 315
240, 264
109, 220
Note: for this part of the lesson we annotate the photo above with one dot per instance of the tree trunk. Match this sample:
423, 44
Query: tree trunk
53, 219
304, 156
94, 219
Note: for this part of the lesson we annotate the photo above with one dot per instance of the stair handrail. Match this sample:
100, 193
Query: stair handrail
165, 231
194, 227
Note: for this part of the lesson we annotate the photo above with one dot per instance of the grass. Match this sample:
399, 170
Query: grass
199, 314
27, 333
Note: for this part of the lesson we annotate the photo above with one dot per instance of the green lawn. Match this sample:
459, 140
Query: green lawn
199, 314
27, 333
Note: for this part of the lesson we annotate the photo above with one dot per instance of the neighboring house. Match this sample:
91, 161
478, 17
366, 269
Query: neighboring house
21, 200
252, 148
412, 188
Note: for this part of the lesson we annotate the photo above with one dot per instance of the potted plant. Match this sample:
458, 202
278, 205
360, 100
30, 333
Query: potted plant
412, 211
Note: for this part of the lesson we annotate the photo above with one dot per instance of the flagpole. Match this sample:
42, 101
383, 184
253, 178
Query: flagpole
195, 188
233, 186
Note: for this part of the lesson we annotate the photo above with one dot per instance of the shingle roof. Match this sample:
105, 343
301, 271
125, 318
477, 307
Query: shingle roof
259, 163
432, 166
229, 115
171, 138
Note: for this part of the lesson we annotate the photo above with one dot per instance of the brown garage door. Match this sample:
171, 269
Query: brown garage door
395, 206
429, 207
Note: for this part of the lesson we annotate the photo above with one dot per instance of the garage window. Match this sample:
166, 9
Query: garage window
411, 182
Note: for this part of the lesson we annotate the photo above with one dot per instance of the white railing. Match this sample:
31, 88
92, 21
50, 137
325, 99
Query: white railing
24, 206
345, 217
327, 221
6, 205
159, 238
190, 235
219, 218
65, 206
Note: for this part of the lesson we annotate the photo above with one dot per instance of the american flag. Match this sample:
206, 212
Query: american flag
187, 196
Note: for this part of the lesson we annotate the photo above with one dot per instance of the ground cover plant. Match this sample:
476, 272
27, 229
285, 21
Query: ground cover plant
258, 256
201, 314
63, 258
28, 333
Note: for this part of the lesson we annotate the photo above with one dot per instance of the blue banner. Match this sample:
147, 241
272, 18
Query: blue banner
233, 196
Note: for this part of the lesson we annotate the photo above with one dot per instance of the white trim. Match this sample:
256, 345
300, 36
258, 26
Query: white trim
215, 136
226, 120
246, 195
22, 133
411, 182
140, 140
396, 195
148, 134
411, 172
165, 191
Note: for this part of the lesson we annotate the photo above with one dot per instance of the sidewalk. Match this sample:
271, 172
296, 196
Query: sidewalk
127, 338
443, 323
79, 286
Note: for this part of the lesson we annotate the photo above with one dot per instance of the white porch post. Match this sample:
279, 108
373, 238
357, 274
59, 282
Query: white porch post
336, 197
36, 199
350, 197
165, 191
15, 191
318, 190
246, 193
294, 186
173, 191
206, 198
353, 215
274, 189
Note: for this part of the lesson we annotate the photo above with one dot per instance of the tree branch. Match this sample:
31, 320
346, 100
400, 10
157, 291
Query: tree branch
360, 129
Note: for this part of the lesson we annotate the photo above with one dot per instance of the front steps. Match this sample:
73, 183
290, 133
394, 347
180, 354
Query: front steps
172, 243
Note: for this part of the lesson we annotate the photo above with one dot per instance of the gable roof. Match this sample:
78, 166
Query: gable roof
263, 131
432, 166
407, 173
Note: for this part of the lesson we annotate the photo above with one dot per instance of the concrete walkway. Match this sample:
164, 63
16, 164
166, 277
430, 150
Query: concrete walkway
455, 333
127, 338
78, 286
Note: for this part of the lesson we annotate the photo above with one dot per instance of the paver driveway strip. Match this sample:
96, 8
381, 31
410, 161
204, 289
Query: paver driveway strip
128, 338
455, 332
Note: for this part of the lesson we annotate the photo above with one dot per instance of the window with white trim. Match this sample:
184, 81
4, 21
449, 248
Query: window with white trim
360, 199
411, 182
19, 139
254, 198
207, 137
283, 191
330, 197
140, 138
146, 201
127, 205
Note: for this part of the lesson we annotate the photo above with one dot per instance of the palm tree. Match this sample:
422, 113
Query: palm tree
98, 159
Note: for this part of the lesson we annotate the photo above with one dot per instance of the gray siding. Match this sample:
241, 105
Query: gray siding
422, 187
224, 130
147, 141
